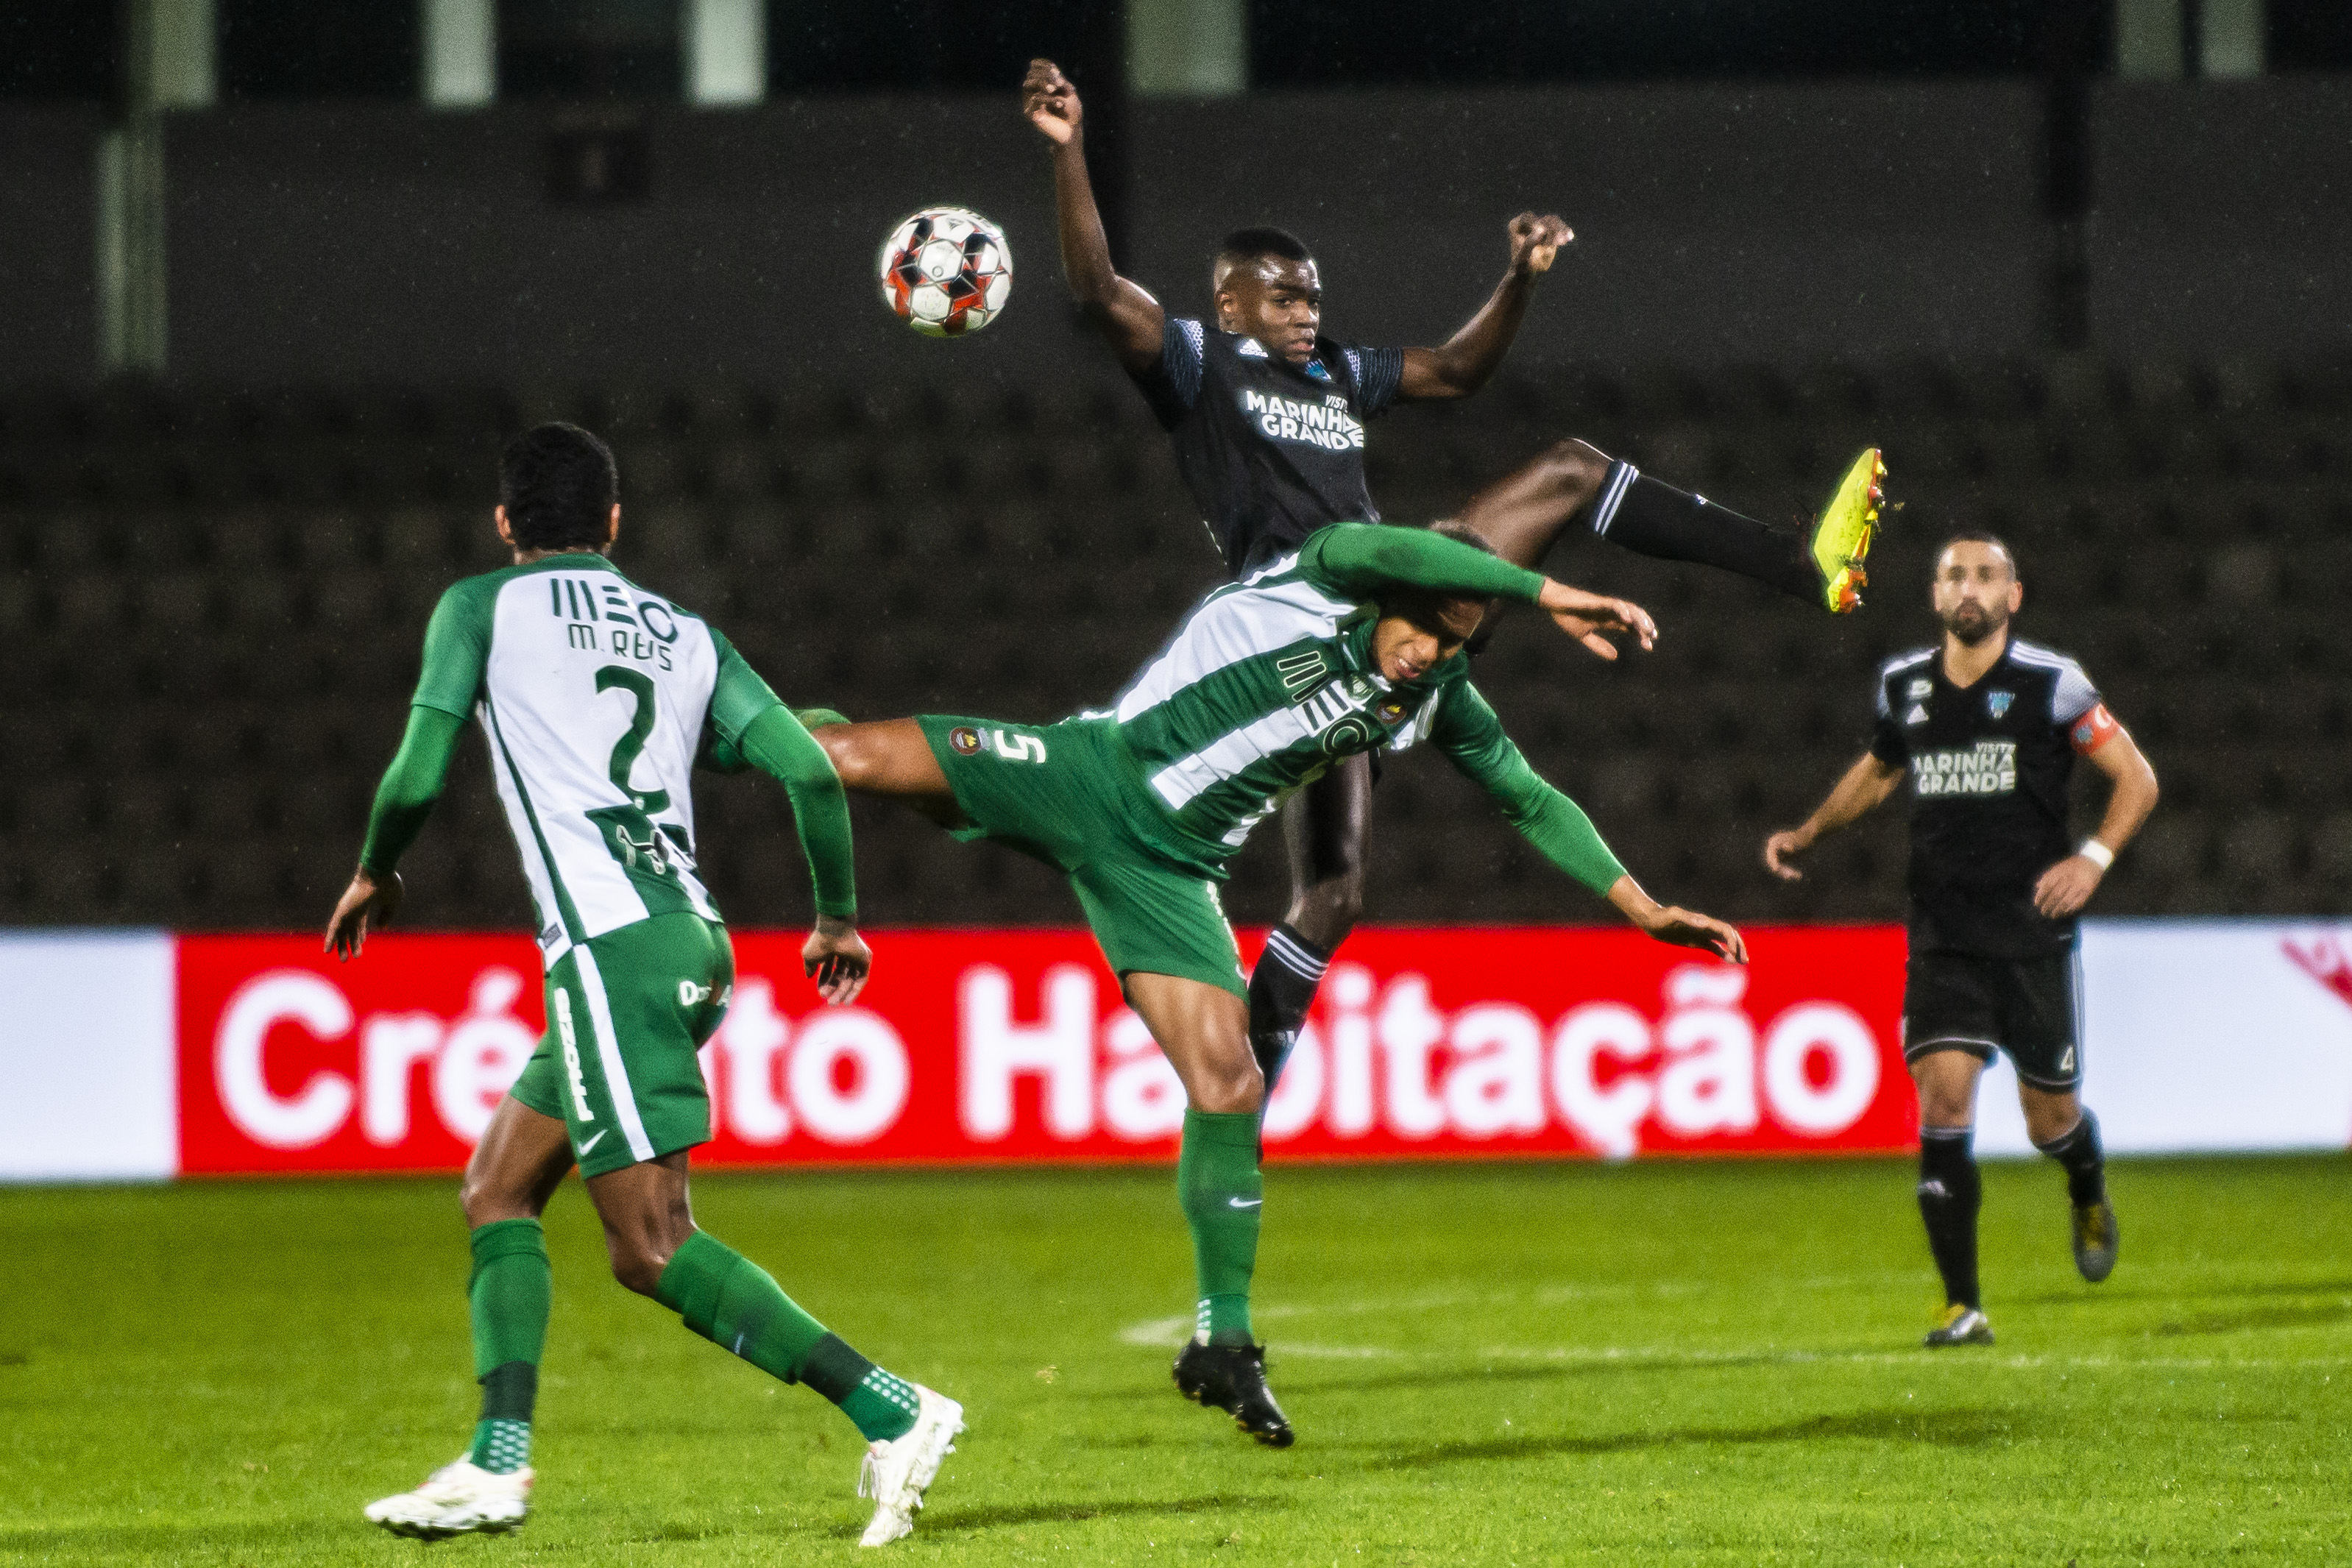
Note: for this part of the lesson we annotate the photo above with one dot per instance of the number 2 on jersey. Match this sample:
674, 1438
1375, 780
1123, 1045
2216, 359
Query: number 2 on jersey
626, 749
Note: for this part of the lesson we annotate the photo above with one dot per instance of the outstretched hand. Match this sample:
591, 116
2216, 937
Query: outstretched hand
1679, 927
366, 905
1536, 242
1675, 926
837, 957
1050, 103
1592, 619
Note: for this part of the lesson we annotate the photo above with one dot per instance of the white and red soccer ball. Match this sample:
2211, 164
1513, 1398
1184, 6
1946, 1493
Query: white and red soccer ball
946, 271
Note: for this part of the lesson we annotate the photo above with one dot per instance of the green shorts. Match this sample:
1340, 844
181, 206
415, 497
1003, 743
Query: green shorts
626, 1013
1067, 794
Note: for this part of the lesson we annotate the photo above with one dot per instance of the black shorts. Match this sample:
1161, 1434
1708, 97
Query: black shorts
2027, 1007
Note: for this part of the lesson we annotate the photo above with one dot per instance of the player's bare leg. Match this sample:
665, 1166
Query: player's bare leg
1204, 1032
890, 757
1524, 513
1323, 828
1950, 1190
522, 1158
2062, 1127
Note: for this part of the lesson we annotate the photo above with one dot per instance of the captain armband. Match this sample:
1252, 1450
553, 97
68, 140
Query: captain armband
2094, 729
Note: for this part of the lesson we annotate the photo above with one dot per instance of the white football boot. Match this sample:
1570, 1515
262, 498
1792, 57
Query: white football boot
460, 1499
896, 1472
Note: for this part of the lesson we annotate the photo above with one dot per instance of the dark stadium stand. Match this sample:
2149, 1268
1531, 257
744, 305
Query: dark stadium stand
214, 600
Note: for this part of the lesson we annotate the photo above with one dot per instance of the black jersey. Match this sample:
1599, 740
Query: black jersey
1988, 765
1270, 450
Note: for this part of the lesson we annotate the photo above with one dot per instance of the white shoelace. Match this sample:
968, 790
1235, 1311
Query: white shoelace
869, 1474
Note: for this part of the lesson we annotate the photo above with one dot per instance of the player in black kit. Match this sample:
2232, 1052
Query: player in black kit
1988, 728
1267, 415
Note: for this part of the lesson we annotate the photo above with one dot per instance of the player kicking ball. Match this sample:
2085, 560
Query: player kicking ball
1988, 728
596, 698
1269, 419
1349, 645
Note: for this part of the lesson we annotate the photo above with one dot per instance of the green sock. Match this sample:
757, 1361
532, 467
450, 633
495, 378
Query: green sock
509, 1294
732, 1302
1217, 1182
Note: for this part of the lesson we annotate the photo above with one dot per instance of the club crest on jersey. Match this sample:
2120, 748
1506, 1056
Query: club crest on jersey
1314, 367
1996, 703
965, 740
1390, 712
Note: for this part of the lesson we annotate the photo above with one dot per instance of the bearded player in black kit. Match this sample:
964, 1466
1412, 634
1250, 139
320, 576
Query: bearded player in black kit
1267, 416
1988, 728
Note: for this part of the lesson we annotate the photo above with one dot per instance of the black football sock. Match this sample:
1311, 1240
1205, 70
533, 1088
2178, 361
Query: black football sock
1949, 1196
1281, 990
1652, 519
2085, 1161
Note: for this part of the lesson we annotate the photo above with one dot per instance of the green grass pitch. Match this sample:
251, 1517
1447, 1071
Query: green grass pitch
1683, 1364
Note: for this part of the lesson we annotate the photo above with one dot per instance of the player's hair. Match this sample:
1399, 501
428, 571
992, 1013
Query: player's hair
1244, 246
1980, 537
558, 483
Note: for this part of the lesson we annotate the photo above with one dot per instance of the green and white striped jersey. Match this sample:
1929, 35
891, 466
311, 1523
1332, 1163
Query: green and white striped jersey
1270, 680
594, 695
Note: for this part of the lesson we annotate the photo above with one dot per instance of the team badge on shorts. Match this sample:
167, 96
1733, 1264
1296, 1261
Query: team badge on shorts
965, 739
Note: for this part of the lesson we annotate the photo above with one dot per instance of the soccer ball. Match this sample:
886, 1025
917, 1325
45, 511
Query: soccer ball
946, 271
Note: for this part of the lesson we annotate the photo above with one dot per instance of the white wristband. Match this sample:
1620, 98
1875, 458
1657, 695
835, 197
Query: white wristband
2097, 854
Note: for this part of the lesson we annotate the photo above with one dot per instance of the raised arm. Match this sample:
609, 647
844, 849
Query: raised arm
1360, 560
764, 733
1467, 731
1864, 788
1469, 357
1127, 317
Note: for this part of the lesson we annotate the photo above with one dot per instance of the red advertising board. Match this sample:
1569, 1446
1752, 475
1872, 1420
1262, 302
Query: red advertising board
978, 1046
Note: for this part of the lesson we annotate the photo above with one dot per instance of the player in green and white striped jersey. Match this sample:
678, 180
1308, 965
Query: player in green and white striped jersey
597, 698
1349, 645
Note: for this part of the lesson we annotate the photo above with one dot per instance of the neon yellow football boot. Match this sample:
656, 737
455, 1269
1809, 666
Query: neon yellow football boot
1841, 538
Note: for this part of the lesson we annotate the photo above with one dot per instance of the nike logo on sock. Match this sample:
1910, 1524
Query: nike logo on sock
594, 1141
1245, 1202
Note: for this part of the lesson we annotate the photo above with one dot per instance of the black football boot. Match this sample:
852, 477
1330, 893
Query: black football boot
1231, 1377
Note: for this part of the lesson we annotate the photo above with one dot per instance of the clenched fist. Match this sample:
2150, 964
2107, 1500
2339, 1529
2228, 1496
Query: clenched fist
1535, 241
1050, 103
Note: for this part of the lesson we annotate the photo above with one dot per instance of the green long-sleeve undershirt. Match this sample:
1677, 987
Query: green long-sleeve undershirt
774, 742
406, 796
778, 745
1469, 733
1362, 558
